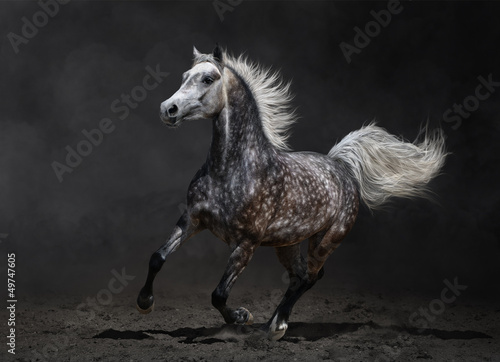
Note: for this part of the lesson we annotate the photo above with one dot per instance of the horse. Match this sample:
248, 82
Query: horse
254, 191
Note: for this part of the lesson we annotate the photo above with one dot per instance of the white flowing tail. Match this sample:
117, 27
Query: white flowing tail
386, 166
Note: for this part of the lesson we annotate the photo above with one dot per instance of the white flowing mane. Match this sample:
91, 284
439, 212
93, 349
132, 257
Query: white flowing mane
272, 96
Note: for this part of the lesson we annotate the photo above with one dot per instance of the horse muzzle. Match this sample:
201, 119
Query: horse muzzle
169, 114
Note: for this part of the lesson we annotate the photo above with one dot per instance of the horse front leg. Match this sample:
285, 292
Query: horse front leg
237, 262
182, 231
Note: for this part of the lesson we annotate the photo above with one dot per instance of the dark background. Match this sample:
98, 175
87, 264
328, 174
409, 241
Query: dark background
123, 200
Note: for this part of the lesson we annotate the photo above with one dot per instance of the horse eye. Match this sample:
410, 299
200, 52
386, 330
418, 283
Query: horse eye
207, 80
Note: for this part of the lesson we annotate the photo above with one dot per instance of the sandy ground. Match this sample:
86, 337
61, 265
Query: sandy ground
327, 325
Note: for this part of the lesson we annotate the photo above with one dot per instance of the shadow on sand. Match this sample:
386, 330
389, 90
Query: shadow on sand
296, 332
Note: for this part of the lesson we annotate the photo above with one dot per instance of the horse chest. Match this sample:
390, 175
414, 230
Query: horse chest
228, 209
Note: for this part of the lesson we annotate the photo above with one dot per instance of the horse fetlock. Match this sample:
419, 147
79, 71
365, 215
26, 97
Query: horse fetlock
242, 316
145, 303
218, 300
156, 262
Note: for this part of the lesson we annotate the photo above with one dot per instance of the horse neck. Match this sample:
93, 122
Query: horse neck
238, 136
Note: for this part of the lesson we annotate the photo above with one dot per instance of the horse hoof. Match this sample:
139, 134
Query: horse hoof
145, 311
243, 316
277, 334
277, 331
145, 305
250, 318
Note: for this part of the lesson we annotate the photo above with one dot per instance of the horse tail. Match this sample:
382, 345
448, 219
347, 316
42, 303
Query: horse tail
386, 166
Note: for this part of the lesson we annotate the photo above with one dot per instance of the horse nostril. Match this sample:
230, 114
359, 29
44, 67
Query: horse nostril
172, 111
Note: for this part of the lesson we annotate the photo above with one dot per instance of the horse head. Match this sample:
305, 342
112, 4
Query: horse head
201, 95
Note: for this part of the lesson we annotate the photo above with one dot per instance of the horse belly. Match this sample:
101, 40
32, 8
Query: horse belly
310, 204
293, 227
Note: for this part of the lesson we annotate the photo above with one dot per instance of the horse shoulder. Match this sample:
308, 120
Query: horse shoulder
199, 193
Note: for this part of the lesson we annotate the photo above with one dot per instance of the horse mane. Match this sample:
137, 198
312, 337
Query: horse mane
272, 96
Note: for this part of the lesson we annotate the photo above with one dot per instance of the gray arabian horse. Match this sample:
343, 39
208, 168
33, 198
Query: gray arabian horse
252, 191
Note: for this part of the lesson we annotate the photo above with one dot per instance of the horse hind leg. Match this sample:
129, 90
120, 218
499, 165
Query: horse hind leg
302, 276
293, 261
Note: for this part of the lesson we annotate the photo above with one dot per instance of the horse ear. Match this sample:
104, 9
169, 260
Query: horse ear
217, 53
196, 53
